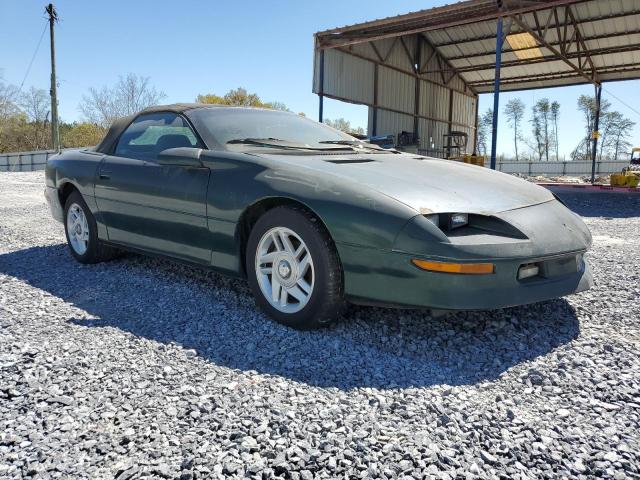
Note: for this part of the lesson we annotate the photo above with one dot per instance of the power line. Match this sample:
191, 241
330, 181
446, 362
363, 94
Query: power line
33, 57
623, 102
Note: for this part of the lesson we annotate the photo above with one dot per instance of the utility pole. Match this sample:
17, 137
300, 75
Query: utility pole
55, 130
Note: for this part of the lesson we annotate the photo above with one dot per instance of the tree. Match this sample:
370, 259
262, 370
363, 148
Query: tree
211, 98
8, 100
514, 111
615, 132
540, 119
81, 135
11, 119
587, 105
555, 114
240, 98
485, 124
542, 114
344, 126
35, 104
620, 133
129, 95
607, 121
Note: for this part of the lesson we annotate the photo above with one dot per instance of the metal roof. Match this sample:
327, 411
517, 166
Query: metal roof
546, 42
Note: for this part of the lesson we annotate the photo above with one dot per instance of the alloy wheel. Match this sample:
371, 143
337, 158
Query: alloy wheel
284, 269
77, 229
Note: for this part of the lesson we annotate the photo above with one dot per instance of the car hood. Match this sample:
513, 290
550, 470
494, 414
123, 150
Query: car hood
426, 184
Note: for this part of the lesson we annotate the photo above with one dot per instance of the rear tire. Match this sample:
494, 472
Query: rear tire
294, 270
81, 231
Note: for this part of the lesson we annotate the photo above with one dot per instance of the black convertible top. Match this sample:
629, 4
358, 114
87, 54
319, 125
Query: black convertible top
108, 142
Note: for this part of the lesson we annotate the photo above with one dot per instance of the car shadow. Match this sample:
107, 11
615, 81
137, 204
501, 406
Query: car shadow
601, 204
215, 316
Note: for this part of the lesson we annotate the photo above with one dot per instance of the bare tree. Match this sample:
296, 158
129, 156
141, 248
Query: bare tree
555, 114
538, 135
607, 124
129, 95
12, 121
8, 100
618, 133
35, 104
587, 105
543, 112
514, 111
485, 124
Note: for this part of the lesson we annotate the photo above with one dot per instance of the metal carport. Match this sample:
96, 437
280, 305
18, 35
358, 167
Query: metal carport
423, 71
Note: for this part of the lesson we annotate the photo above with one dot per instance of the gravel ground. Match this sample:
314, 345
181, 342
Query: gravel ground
142, 368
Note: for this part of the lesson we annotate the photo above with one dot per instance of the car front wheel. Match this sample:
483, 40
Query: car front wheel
82, 232
293, 269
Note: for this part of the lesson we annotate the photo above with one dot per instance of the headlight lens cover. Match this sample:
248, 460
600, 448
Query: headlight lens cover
457, 220
448, 221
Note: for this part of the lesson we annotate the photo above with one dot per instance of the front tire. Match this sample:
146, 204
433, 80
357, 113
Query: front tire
294, 270
81, 231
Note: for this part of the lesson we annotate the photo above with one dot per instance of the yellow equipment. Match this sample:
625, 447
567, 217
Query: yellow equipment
474, 159
630, 176
627, 179
471, 159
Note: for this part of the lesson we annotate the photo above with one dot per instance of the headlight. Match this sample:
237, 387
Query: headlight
457, 220
448, 221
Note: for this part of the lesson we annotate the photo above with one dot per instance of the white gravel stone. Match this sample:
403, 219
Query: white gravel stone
143, 368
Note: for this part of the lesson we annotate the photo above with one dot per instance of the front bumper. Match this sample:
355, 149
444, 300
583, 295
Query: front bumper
53, 200
389, 278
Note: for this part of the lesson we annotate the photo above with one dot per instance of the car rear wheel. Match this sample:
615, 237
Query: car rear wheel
82, 232
293, 269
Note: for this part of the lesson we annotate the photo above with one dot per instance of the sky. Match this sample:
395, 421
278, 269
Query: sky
200, 46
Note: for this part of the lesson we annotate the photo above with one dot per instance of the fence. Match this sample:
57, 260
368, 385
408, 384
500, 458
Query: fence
24, 161
28, 161
577, 168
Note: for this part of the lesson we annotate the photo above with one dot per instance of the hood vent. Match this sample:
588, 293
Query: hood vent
354, 160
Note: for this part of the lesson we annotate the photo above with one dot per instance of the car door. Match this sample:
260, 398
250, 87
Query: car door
158, 208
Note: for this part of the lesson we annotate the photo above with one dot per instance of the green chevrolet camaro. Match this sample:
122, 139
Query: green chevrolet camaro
313, 217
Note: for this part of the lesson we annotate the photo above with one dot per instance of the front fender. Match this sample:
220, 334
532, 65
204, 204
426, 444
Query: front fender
353, 215
77, 168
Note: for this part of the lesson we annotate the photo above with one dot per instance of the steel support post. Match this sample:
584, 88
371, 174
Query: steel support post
321, 87
496, 94
374, 119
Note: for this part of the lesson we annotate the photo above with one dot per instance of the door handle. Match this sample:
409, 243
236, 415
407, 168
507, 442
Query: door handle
104, 175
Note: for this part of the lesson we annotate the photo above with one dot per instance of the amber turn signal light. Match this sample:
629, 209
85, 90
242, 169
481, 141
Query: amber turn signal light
464, 268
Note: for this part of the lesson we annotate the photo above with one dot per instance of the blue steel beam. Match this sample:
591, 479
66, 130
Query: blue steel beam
496, 94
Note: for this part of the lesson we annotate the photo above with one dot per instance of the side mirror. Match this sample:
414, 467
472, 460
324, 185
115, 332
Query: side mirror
181, 156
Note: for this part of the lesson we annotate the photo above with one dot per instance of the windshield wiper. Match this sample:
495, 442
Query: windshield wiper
276, 142
342, 142
254, 141
353, 143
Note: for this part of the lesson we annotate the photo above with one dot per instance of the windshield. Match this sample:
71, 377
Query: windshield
223, 128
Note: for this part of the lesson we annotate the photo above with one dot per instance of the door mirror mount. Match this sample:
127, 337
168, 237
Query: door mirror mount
181, 157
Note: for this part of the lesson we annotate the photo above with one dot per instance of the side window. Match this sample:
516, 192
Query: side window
150, 134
